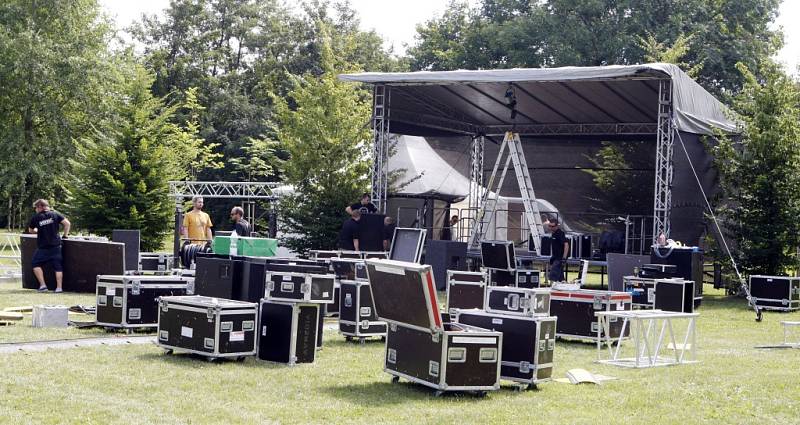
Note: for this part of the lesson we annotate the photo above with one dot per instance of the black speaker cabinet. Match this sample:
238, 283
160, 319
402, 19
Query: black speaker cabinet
370, 228
130, 238
443, 256
689, 263
83, 261
216, 277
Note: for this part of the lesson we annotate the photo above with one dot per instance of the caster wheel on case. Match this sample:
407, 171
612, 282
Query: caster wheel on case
395, 379
211, 359
383, 339
348, 338
362, 341
128, 331
167, 351
438, 393
481, 394
240, 359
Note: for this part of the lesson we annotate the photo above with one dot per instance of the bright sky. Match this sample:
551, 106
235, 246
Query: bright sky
396, 20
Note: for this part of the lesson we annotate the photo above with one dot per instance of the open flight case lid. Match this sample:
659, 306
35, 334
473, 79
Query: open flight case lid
407, 244
404, 293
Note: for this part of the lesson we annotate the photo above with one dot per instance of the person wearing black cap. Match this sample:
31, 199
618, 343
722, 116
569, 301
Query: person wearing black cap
559, 250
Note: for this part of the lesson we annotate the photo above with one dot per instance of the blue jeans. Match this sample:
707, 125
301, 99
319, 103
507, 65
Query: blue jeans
556, 273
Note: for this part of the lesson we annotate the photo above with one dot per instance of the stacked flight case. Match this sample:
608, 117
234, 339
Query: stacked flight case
465, 290
211, 327
529, 343
292, 314
420, 346
576, 310
129, 301
357, 318
780, 293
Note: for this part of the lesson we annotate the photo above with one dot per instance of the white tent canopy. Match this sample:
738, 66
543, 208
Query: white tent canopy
429, 175
610, 100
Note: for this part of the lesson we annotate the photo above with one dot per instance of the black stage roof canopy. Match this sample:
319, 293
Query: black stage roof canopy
609, 101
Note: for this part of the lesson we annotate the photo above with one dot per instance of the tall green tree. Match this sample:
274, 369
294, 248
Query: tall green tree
122, 172
321, 124
760, 174
525, 33
55, 73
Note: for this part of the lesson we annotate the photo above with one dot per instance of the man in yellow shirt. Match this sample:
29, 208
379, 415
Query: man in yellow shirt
197, 224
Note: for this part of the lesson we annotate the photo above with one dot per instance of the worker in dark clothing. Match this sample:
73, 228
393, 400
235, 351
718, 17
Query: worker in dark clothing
241, 226
365, 206
348, 237
559, 251
388, 232
45, 223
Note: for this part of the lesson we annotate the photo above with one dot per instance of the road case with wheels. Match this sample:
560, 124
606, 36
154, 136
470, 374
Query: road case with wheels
211, 327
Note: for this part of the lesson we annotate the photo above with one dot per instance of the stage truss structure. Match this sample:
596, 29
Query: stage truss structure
248, 192
663, 129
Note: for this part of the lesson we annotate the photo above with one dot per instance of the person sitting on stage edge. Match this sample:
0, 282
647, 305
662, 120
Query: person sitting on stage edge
197, 224
559, 250
388, 232
348, 237
241, 226
45, 224
364, 207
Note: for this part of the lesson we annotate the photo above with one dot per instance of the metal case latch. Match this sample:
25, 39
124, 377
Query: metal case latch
348, 300
512, 301
135, 287
391, 355
433, 368
598, 303
524, 367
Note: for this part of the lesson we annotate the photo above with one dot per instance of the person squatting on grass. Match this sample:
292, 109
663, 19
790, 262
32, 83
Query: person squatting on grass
45, 223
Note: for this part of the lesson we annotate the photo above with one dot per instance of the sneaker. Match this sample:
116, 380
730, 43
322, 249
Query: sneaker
42, 289
58, 290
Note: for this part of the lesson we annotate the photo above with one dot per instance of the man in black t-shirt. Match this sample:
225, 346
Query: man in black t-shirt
559, 251
348, 237
365, 206
240, 226
45, 224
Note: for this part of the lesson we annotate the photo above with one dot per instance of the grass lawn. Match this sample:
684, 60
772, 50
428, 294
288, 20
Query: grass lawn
734, 383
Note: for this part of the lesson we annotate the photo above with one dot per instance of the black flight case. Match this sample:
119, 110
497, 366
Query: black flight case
210, 327
131, 301
288, 332
775, 292
674, 295
517, 301
465, 290
420, 346
300, 287
528, 343
357, 318
576, 310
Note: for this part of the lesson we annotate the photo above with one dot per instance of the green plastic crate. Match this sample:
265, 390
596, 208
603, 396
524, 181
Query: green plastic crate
255, 247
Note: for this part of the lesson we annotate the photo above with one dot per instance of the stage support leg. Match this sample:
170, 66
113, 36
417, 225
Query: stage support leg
664, 151
380, 152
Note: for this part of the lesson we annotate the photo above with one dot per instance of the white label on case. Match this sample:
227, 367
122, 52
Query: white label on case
111, 291
325, 294
287, 277
390, 270
186, 331
497, 321
473, 340
237, 336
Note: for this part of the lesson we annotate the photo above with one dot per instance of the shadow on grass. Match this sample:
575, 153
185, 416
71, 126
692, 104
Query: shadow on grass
384, 393
341, 342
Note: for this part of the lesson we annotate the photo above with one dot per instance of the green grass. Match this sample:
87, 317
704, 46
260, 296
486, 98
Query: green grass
734, 383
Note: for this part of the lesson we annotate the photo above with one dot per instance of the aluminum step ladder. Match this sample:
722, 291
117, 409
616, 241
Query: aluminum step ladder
486, 213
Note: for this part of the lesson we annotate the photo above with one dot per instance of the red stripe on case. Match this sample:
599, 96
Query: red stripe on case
437, 318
